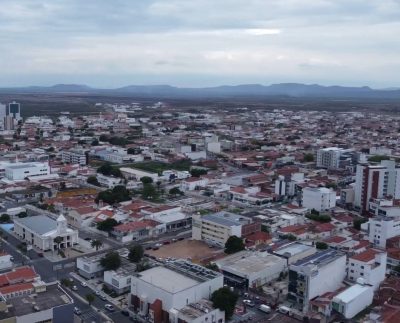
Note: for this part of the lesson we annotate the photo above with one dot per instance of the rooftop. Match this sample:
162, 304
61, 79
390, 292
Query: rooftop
292, 249
351, 293
40, 224
195, 310
226, 219
320, 258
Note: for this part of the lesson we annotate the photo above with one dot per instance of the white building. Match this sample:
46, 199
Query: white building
294, 251
137, 174
89, 267
19, 171
5, 260
319, 199
191, 183
120, 280
199, 312
314, 276
329, 157
160, 291
369, 265
218, 227
377, 182
353, 300
379, 229
286, 186
40, 231
108, 181
75, 156
251, 269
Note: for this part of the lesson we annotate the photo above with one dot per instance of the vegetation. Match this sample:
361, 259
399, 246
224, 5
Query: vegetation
159, 167
234, 244
225, 300
107, 225
308, 157
111, 261
116, 195
108, 170
66, 282
175, 191
22, 215
289, 237
97, 243
136, 253
319, 218
212, 266
93, 181
149, 192
146, 180
5, 218
321, 245
197, 172
378, 158
90, 298
357, 223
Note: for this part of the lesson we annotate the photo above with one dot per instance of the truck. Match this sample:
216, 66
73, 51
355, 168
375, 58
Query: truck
264, 308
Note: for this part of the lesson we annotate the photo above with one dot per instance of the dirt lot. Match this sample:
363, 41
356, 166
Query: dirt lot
197, 251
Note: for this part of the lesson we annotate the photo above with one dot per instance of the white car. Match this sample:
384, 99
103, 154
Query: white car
109, 307
83, 284
74, 287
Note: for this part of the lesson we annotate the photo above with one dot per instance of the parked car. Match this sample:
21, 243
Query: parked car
77, 311
103, 297
97, 292
83, 284
249, 302
109, 307
264, 308
158, 245
125, 312
284, 309
74, 287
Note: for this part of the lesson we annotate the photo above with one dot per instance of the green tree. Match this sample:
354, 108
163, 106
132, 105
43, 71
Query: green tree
107, 225
357, 223
212, 266
93, 180
5, 218
175, 191
225, 300
90, 298
197, 172
111, 261
58, 240
66, 282
321, 245
96, 244
136, 253
22, 214
149, 192
234, 244
146, 180
289, 237
378, 158
308, 157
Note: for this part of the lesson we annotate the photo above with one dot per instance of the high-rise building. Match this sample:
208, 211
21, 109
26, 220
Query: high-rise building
376, 181
8, 123
3, 113
14, 110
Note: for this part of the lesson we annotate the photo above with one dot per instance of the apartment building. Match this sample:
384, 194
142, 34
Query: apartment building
319, 198
380, 228
75, 156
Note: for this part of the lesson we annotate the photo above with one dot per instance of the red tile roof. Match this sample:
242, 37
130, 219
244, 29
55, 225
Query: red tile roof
15, 288
366, 256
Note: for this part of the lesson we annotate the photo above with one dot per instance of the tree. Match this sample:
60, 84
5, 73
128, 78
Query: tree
93, 180
95, 142
90, 298
22, 214
96, 244
378, 158
66, 282
136, 253
58, 241
5, 218
149, 192
234, 244
111, 261
117, 194
225, 300
175, 191
107, 225
212, 266
321, 245
357, 223
197, 172
308, 157
146, 180
108, 170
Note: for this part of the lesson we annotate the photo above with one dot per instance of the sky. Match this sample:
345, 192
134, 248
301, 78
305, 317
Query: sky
186, 43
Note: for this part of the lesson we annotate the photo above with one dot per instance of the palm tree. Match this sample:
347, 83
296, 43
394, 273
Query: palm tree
58, 240
90, 298
97, 244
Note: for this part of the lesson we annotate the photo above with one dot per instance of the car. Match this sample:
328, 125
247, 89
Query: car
181, 238
125, 312
77, 311
174, 240
148, 248
284, 309
74, 287
155, 248
103, 297
97, 292
40, 254
167, 242
83, 284
249, 302
158, 245
109, 307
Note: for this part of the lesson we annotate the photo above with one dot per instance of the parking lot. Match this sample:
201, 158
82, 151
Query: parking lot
197, 251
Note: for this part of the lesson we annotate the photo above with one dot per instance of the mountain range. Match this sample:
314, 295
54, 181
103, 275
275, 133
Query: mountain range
294, 90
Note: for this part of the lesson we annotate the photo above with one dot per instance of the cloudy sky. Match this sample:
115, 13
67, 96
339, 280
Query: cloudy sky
109, 43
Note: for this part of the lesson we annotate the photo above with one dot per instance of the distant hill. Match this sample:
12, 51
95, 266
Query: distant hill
245, 90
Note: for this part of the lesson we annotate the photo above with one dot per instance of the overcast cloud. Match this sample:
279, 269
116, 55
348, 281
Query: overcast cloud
109, 43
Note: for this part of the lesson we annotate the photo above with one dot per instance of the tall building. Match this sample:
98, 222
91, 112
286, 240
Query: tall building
8, 123
376, 181
319, 198
14, 110
3, 113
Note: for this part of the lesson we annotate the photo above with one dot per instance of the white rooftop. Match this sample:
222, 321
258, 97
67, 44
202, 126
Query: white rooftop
351, 293
167, 279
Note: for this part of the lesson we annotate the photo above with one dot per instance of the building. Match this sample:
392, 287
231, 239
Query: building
5, 260
380, 228
251, 269
377, 182
319, 198
294, 251
353, 300
314, 276
329, 157
20, 171
108, 181
3, 114
218, 227
41, 231
370, 265
8, 122
14, 110
89, 266
137, 174
75, 156
199, 312
119, 280
160, 291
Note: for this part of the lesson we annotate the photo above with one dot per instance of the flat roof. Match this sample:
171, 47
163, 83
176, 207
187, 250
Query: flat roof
293, 249
226, 218
320, 258
167, 279
40, 224
351, 293
248, 262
